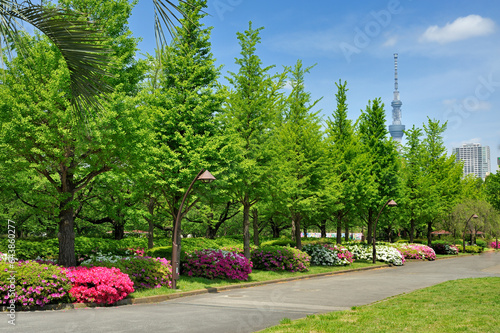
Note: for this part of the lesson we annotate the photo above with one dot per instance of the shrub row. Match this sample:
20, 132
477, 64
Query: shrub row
217, 264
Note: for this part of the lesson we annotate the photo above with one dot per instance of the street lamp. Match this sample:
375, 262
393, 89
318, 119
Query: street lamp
465, 229
390, 203
206, 177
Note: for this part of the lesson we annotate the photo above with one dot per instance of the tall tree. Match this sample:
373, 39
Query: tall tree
182, 98
249, 117
42, 134
346, 161
442, 173
415, 185
382, 160
299, 155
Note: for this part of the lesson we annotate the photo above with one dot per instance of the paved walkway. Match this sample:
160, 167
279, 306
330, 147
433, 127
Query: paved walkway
252, 309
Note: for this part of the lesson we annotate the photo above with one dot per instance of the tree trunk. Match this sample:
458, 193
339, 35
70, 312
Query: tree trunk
429, 233
347, 231
246, 227
119, 231
293, 231
412, 229
66, 236
370, 227
255, 217
339, 228
151, 227
211, 232
322, 228
298, 240
275, 228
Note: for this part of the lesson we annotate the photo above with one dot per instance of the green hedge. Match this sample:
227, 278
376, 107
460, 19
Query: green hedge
84, 246
470, 249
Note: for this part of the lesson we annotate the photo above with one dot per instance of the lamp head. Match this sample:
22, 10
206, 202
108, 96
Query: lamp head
392, 203
206, 177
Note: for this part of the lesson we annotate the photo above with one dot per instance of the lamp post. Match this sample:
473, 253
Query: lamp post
465, 229
390, 203
206, 177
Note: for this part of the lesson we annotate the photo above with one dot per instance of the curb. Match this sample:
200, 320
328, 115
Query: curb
163, 298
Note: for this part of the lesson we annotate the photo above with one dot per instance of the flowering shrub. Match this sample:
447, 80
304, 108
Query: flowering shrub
145, 272
99, 285
277, 258
385, 253
217, 264
495, 245
328, 255
136, 251
444, 248
416, 251
35, 284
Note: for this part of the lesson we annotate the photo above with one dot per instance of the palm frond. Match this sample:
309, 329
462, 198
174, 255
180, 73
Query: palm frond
80, 42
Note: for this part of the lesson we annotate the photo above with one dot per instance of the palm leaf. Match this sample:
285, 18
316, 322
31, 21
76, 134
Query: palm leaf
79, 41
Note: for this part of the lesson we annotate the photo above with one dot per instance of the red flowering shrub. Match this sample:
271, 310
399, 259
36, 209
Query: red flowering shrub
217, 264
278, 258
145, 272
495, 245
99, 284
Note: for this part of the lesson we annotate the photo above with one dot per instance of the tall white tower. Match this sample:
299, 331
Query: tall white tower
396, 129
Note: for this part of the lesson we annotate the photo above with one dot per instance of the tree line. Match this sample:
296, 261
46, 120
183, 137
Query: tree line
280, 166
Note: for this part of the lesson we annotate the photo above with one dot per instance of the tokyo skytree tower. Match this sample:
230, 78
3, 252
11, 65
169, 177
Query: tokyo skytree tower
396, 129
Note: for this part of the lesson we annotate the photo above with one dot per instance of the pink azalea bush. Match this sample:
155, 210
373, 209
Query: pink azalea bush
99, 285
278, 258
145, 272
417, 251
495, 245
35, 284
217, 264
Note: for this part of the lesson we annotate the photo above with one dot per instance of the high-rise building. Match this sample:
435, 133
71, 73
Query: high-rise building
476, 159
396, 129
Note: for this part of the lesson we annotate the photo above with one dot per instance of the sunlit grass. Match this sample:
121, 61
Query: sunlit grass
467, 305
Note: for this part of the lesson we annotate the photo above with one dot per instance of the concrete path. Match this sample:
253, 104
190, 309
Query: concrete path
253, 309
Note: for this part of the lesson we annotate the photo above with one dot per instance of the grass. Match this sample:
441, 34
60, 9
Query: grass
466, 305
195, 283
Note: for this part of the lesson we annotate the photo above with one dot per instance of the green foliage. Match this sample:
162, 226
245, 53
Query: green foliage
481, 243
470, 248
84, 246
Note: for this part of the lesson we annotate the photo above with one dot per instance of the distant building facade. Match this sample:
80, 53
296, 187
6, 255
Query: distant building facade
476, 159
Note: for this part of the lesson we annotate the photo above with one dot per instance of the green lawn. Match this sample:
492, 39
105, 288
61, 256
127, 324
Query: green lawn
467, 305
194, 283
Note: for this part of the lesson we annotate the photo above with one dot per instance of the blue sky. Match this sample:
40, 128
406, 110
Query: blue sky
449, 64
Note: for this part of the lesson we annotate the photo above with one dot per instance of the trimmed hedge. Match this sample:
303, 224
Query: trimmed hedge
84, 246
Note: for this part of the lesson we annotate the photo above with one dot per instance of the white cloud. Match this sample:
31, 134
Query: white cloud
462, 28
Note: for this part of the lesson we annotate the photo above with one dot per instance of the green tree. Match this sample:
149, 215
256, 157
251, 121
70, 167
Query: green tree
39, 130
298, 161
182, 98
347, 162
414, 200
382, 161
442, 173
248, 119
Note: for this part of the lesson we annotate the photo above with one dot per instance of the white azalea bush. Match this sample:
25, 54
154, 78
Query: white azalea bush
328, 255
385, 253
